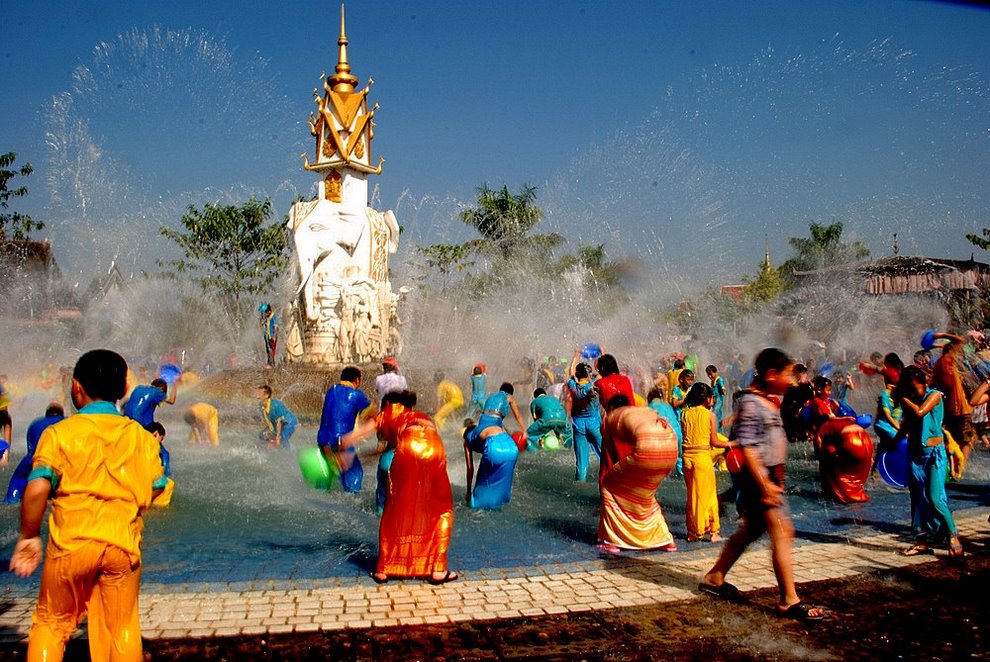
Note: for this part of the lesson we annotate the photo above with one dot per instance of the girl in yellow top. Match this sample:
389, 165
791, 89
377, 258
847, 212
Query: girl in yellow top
700, 437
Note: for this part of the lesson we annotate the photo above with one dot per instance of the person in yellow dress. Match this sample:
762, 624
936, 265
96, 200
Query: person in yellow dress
101, 471
450, 399
700, 427
204, 423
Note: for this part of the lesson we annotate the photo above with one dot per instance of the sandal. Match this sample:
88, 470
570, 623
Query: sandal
724, 591
448, 577
607, 548
802, 611
379, 579
917, 550
670, 547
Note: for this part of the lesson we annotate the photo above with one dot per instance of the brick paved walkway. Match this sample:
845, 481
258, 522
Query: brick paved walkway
170, 611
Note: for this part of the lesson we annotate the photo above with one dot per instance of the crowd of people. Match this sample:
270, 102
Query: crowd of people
743, 421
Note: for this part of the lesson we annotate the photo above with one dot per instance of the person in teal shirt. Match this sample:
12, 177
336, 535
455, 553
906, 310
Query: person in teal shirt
279, 421
923, 411
548, 416
478, 390
718, 388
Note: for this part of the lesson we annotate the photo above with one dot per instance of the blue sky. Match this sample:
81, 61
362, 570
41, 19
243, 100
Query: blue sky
684, 135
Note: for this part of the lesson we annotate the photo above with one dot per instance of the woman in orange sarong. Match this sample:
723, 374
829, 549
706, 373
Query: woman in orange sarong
418, 518
639, 449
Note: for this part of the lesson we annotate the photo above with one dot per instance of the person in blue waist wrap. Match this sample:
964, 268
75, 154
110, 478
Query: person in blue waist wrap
586, 417
145, 399
479, 391
342, 405
923, 412
279, 421
549, 415
497, 407
493, 487
19, 479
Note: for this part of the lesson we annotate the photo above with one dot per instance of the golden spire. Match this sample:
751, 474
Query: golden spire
766, 255
342, 80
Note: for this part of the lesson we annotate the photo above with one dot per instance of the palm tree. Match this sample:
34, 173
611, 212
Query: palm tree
824, 248
504, 222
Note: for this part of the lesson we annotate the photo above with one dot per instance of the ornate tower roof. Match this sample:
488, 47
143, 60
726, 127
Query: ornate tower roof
343, 125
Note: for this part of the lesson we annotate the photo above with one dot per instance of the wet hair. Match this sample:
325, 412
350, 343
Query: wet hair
800, 368
390, 398
699, 392
350, 374
820, 382
160, 384
266, 388
616, 401
769, 359
685, 374
155, 427
582, 371
439, 376
477, 370
678, 364
102, 374
654, 394
506, 387
910, 376
538, 392
469, 425
55, 409
189, 417
407, 398
892, 360
709, 369
607, 365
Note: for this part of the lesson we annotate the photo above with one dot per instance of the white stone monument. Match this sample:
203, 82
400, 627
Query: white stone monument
343, 309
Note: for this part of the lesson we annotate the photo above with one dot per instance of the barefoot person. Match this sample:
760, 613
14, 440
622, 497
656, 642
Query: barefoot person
100, 470
639, 449
419, 513
762, 508
922, 425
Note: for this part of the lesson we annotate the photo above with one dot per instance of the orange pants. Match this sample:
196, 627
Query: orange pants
101, 580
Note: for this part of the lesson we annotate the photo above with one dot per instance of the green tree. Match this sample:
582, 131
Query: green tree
982, 242
824, 248
447, 259
600, 274
766, 286
20, 225
232, 252
504, 220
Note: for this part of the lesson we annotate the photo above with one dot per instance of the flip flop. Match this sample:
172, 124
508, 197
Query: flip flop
377, 579
724, 591
449, 577
917, 550
801, 611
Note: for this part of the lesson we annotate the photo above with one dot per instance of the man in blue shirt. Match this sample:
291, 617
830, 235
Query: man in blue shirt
18, 481
145, 399
342, 405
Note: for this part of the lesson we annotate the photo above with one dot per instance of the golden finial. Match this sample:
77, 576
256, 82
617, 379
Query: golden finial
766, 254
342, 80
